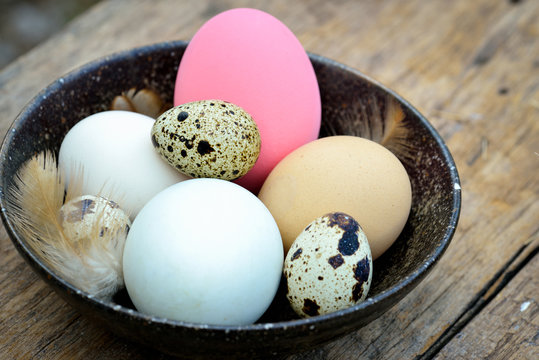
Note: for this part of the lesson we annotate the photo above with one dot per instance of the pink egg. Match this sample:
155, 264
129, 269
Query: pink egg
251, 59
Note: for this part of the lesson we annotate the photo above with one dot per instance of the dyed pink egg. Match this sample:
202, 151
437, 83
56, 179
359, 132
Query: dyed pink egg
249, 58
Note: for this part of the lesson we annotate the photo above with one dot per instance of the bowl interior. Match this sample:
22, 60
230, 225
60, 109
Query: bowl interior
351, 104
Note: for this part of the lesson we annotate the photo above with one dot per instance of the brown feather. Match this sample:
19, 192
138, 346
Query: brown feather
378, 119
396, 133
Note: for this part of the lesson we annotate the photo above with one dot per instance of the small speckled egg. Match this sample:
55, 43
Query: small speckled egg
96, 230
88, 215
208, 139
329, 266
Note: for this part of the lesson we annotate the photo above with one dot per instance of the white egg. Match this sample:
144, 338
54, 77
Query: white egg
204, 251
115, 153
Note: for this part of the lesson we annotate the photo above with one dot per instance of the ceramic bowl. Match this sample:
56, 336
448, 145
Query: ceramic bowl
351, 104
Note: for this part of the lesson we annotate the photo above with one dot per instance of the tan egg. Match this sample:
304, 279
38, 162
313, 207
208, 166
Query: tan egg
340, 173
208, 138
328, 267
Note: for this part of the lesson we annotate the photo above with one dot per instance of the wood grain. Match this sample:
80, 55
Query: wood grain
471, 67
515, 313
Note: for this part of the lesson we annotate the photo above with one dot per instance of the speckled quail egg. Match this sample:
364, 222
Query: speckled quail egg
329, 266
95, 230
208, 139
88, 216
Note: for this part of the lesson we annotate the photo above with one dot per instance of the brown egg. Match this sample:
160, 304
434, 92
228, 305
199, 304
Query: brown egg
340, 174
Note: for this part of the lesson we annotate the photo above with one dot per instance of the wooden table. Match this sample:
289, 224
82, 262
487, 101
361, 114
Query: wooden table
472, 67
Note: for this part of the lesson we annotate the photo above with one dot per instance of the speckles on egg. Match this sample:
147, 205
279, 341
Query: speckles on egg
310, 307
329, 266
208, 138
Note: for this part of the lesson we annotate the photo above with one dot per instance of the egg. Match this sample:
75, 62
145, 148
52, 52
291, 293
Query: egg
207, 138
340, 173
90, 216
113, 152
203, 251
329, 266
95, 229
251, 59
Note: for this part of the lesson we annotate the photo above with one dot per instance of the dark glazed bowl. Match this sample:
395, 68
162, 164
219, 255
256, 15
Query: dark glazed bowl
349, 101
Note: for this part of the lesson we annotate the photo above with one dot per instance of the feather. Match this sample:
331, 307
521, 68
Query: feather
87, 252
395, 134
143, 101
378, 119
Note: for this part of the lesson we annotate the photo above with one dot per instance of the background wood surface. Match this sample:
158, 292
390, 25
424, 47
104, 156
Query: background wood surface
472, 67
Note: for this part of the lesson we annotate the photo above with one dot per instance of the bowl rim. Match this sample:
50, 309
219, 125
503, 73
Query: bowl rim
396, 290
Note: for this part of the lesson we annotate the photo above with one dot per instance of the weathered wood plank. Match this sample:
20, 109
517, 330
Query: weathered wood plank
500, 188
471, 67
508, 328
